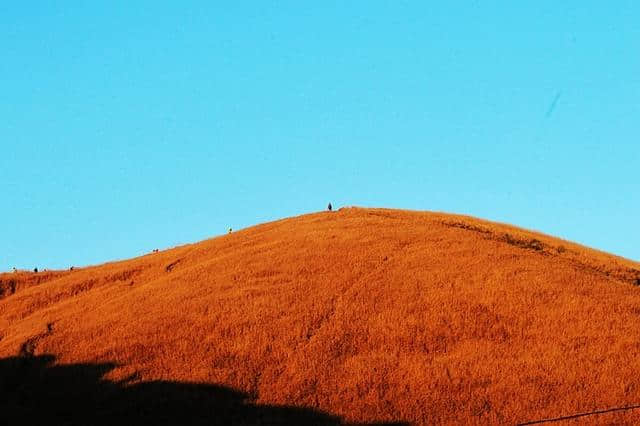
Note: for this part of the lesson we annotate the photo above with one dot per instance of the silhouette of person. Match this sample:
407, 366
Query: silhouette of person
35, 270
230, 230
329, 207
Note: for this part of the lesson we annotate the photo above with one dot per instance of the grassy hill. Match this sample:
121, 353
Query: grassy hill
359, 315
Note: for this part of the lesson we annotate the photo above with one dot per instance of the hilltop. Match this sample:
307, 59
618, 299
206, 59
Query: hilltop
359, 315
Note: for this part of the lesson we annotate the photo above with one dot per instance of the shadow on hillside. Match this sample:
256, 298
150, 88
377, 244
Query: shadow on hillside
34, 391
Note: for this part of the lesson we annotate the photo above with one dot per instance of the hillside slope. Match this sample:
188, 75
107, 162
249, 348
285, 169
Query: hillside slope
360, 315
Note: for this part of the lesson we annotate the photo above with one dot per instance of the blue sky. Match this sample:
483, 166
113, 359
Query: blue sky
129, 126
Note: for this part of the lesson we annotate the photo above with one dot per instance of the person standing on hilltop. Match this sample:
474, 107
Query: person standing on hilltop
329, 207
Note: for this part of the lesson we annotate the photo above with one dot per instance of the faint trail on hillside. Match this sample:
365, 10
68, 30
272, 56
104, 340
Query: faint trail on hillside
170, 266
623, 274
575, 416
337, 300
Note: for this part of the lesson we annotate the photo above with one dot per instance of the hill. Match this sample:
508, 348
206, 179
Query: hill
359, 315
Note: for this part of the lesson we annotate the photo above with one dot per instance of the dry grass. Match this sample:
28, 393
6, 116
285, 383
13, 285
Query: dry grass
367, 314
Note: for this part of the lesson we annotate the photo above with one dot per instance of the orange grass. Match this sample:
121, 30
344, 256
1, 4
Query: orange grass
367, 314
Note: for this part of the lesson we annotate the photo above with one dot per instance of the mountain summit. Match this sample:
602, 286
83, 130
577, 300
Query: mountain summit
357, 315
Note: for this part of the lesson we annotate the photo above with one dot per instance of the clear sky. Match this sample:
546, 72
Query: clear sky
132, 125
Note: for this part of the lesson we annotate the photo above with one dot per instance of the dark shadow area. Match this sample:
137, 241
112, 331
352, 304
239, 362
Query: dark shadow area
34, 391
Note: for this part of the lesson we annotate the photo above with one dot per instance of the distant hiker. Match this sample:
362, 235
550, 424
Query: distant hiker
35, 270
15, 270
230, 230
71, 269
329, 207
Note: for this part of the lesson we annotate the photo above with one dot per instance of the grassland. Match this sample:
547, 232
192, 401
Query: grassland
359, 315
